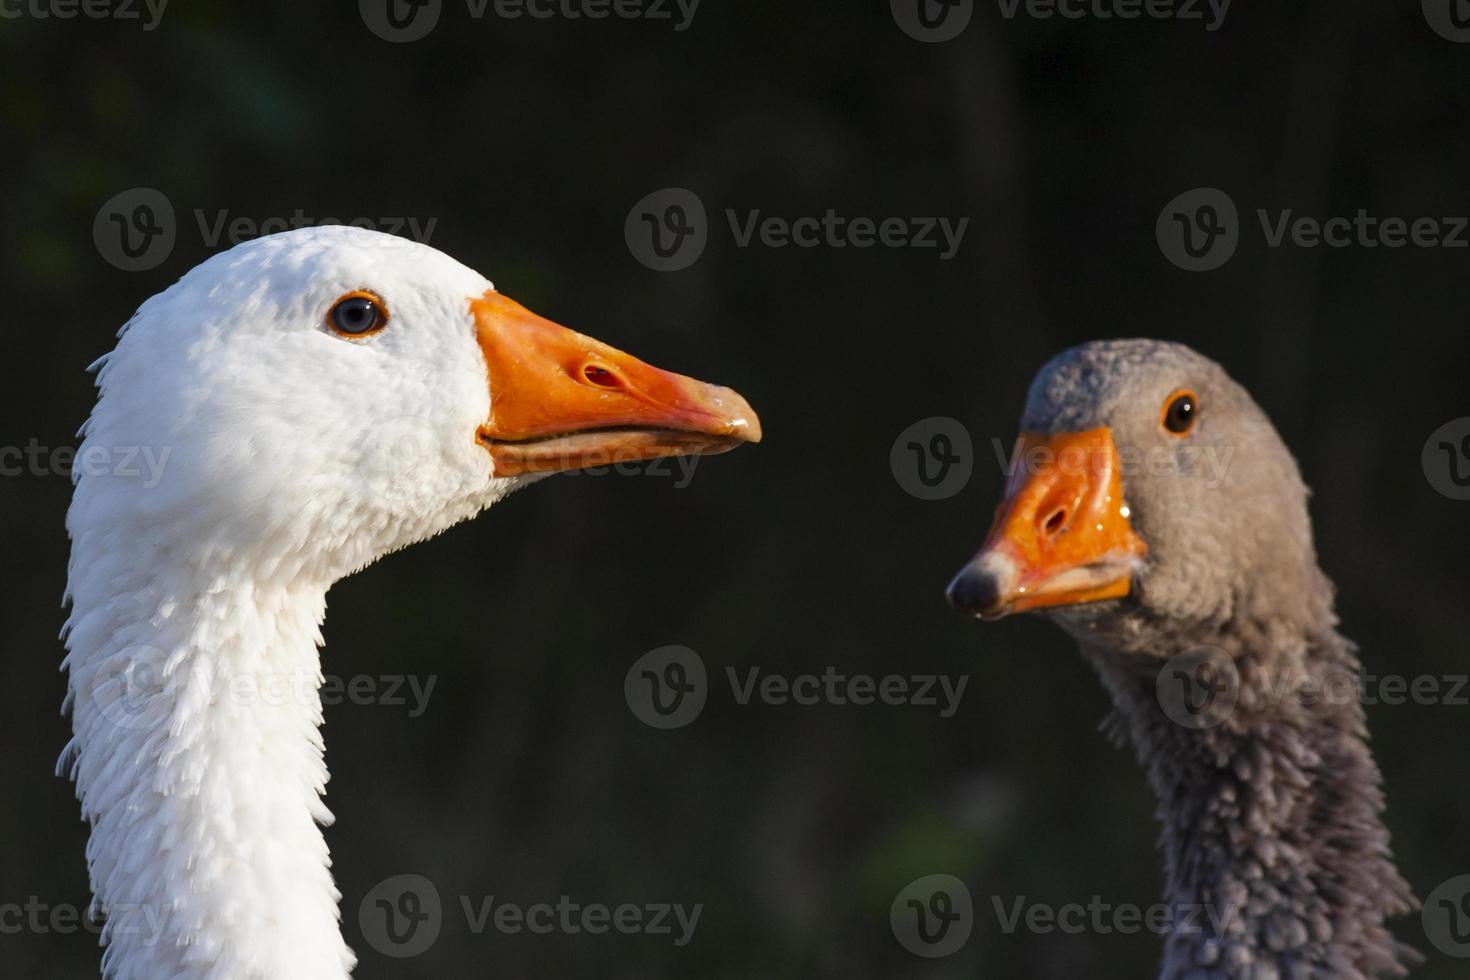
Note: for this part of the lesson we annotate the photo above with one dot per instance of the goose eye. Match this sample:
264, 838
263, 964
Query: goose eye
1179, 412
357, 314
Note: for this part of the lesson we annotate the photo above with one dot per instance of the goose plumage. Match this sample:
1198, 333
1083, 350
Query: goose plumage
1154, 513
318, 398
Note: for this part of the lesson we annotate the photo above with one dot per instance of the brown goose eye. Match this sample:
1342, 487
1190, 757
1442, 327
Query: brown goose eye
1179, 412
357, 314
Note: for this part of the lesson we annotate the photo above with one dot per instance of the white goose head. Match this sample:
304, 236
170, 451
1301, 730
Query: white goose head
305, 403
327, 395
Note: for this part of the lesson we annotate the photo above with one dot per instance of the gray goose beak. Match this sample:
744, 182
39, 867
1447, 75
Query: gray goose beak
1061, 536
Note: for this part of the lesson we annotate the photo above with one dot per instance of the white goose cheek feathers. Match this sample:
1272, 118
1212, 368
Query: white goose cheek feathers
560, 400
1061, 536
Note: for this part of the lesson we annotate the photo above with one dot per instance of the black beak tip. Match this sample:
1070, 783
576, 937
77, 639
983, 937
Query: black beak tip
973, 592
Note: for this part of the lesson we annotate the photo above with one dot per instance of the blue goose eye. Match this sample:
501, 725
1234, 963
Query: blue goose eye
358, 314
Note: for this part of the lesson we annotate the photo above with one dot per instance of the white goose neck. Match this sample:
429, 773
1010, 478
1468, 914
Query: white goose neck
198, 760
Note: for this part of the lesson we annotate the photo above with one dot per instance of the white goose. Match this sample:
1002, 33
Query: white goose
317, 399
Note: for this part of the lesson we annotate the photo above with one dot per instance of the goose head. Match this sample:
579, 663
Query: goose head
317, 398
1148, 497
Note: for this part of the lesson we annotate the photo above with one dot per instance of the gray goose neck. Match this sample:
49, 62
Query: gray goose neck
1276, 857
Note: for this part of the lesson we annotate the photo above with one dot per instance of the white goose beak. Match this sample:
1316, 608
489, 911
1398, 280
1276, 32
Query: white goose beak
560, 400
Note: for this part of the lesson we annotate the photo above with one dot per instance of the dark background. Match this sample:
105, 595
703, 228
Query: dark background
529, 141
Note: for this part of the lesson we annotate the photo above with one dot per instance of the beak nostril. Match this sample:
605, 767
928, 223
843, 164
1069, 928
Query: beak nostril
601, 376
1057, 522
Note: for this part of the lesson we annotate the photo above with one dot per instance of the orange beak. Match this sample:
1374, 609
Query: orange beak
1062, 534
563, 401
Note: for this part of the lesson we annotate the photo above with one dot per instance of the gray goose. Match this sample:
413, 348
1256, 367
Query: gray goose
1155, 515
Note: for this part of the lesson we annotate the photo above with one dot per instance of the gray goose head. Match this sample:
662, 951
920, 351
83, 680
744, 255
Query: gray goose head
1154, 513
